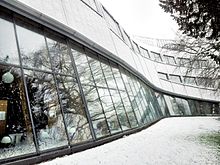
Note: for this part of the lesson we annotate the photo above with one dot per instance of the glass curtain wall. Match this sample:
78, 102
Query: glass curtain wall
57, 93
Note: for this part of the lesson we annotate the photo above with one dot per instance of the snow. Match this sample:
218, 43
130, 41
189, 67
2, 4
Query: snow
170, 141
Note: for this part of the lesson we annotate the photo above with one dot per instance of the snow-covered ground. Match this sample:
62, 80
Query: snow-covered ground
171, 141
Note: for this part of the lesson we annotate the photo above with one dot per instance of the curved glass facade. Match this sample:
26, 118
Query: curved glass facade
56, 93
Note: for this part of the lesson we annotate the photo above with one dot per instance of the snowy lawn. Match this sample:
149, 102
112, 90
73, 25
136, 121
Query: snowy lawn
172, 141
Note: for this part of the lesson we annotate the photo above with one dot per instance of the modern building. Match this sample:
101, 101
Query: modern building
72, 78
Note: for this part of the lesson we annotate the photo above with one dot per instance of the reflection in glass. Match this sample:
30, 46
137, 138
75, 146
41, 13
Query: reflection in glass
33, 49
8, 47
82, 68
119, 106
129, 110
133, 102
96, 111
15, 126
74, 113
109, 109
45, 108
60, 58
162, 104
97, 72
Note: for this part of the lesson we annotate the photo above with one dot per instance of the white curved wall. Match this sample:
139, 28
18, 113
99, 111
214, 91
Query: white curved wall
92, 24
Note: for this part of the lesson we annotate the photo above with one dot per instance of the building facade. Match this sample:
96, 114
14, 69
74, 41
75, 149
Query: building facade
72, 79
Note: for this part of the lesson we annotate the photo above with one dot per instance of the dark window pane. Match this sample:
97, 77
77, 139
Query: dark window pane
8, 47
33, 49
15, 126
45, 108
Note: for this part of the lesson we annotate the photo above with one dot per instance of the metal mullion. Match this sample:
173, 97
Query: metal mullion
134, 98
26, 91
59, 99
110, 95
121, 97
98, 95
81, 92
38, 70
135, 88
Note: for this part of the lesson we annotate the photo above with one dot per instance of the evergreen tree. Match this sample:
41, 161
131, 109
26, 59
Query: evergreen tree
196, 18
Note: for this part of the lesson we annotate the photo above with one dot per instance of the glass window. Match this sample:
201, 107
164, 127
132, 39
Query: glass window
8, 46
136, 48
169, 60
83, 68
16, 136
133, 102
112, 23
126, 38
144, 52
73, 108
183, 61
91, 3
193, 108
162, 104
33, 49
45, 108
120, 109
163, 75
60, 57
175, 78
205, 82
109, 110
156, 56
189, 80
97, 72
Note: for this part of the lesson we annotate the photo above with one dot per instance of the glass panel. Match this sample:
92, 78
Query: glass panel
112, 23
74, 113
60, 57
45, 108
119, 106
109, 76
8, 47
162, 104
129, 110
97, 72
118, 79
109, 108
145, 52
169, 60
82, 68
33, 49
15, 126
169, 104
96, 111
134, 105
189, 80
101, 128
175, 78
156, 56
163, 76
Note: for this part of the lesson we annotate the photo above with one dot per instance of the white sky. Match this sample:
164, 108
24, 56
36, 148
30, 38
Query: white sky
142, 17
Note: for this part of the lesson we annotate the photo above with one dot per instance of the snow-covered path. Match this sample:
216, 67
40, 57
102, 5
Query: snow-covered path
172, 141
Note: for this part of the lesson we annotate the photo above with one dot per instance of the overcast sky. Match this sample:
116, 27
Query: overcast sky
142, 17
